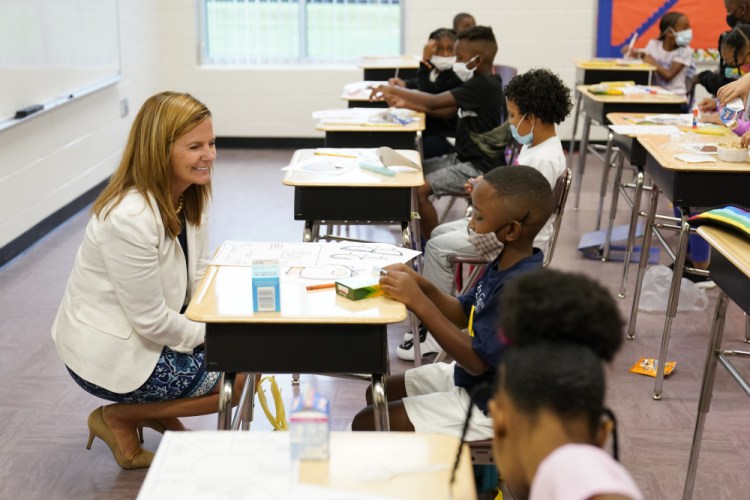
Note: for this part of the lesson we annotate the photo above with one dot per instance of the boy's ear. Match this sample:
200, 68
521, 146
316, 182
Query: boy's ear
514, 232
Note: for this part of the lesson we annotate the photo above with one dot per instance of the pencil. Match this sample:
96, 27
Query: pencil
340, 155
320, 287
396, 75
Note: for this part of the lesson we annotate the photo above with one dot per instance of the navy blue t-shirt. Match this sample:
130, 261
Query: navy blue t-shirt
486, 340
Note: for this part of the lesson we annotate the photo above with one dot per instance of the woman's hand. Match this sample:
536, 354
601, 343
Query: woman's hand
738, 88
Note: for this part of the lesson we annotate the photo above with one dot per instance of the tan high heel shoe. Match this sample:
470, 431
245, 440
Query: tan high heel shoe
99, 428
151, 423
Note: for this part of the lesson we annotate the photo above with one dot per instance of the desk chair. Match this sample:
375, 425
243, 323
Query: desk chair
506, 73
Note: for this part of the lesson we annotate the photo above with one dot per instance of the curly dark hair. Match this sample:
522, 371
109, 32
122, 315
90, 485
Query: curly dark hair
563, 308
541, 93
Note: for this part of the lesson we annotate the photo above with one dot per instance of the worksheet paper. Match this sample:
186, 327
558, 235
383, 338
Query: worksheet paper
644, 129
310, 262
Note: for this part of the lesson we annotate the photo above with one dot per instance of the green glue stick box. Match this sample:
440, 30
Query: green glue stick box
309, 426
266, 286
359, 287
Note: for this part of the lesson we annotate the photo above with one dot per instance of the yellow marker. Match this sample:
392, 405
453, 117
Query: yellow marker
471, 322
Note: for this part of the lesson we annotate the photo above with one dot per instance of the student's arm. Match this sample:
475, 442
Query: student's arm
667, 73
439, 312
434, 104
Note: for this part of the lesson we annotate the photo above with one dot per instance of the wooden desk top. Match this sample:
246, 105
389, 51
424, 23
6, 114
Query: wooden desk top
225, 296
187, 464
356, 177
731, 245
663, 149
632, 98
375, 62
415, 126
612, 64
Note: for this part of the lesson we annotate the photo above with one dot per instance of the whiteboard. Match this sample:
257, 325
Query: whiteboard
55, 50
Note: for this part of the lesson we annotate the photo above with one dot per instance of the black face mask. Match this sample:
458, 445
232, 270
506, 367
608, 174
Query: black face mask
732, 21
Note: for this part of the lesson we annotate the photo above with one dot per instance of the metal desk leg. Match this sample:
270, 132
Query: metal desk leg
605, 176
644, 260
747, 328
225, 401
613, 208
582, 157
246, 404
674, 297
634, 214
576, 113
380, 402
704, 402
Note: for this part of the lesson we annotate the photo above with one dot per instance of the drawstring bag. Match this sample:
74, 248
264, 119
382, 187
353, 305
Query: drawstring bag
655, 292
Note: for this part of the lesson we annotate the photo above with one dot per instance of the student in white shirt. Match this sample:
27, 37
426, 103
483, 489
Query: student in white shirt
671, 54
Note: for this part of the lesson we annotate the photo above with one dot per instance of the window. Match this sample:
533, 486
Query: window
252, 32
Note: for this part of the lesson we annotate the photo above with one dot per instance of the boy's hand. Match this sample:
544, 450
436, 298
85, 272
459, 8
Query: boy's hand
380, 93
396, 82
402, 285
429, 50
707, 105
745, 139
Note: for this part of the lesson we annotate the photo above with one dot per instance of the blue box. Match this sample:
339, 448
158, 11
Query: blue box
309, 426
266, 286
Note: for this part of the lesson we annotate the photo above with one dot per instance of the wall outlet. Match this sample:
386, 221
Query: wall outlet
124, 107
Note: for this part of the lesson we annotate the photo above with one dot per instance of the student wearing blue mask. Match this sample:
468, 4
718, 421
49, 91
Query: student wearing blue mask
671, 54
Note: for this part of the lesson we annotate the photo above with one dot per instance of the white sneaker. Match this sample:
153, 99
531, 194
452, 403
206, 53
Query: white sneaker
428, 345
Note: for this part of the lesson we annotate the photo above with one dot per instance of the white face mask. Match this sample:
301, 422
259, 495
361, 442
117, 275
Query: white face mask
462, 72
442, 63
486, 245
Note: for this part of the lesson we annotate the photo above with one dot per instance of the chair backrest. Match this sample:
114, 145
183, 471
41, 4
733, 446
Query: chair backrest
506, 73
560, 196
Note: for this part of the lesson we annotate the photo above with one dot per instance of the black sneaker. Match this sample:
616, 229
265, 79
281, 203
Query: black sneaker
427, 345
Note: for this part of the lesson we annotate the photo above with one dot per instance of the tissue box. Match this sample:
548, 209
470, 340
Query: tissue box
309, 427
266, 286
360, 287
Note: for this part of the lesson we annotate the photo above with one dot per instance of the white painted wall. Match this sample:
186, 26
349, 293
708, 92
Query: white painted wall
53, 158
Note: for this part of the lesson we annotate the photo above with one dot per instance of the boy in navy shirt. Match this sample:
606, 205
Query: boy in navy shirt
479, 105
510, 207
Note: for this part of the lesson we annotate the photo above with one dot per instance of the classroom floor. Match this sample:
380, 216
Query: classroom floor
43, 413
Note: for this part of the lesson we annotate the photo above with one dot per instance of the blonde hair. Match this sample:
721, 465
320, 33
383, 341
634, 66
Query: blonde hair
145, 165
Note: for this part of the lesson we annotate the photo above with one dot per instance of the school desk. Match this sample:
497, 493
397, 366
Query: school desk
383, 68
597, 107
632, 150
684, 185
730, 269
591, 71
357, 196
360, 97
374, 135
315, 332
201, 464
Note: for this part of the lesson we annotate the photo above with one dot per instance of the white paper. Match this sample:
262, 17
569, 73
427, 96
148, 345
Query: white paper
644, 129
315, 262
328, 165
695, 158
698, 147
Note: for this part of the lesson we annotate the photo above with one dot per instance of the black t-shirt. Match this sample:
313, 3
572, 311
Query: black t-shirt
480, 103
714, 80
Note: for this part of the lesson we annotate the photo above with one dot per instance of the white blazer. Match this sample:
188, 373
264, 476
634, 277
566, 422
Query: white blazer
123, 299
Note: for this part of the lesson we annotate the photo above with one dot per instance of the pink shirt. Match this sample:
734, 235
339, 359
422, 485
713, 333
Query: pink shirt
579, 472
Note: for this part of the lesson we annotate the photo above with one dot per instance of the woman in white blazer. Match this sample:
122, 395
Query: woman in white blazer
120, 328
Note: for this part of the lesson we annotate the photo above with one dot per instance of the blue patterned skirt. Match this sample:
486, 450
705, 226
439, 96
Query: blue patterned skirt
176, 375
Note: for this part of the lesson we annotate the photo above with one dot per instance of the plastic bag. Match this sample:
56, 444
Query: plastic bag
655, 292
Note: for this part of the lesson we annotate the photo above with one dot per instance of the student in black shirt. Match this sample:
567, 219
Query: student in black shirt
435, 75
479, 105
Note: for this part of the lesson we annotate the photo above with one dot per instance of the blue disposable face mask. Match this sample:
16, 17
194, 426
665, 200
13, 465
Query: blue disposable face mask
683, 38
522, 139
